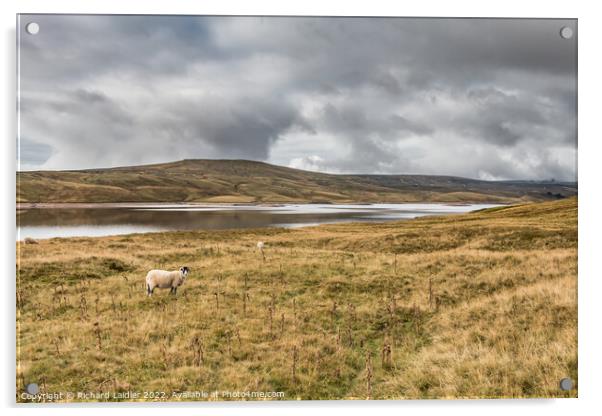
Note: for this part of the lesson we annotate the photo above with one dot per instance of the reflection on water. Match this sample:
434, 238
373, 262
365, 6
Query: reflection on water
67, 222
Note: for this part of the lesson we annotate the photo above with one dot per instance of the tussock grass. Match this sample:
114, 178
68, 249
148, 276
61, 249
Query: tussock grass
475, 305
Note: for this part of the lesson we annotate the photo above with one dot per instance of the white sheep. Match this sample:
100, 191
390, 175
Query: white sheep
260, 246
164, 279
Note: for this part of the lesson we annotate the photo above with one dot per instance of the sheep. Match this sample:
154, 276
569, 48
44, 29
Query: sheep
164, 279
260, 246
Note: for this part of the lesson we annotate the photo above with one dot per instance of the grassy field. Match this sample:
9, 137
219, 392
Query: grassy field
475, 305
244, 181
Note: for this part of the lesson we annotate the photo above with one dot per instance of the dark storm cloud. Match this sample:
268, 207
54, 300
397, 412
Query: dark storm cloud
478, 98
243, 128
76, 48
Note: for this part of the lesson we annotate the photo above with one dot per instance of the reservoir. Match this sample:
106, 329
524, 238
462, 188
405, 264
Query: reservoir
93, 220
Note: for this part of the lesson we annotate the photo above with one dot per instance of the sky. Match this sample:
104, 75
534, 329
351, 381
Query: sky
491, 99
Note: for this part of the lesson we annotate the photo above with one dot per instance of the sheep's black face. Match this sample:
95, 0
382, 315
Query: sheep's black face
184, 271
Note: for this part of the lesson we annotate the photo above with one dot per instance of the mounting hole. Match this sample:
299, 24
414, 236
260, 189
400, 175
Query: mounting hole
566, 384
566, 32
32, 388
32, 28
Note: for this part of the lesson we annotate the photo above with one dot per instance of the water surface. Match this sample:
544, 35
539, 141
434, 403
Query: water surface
101, 221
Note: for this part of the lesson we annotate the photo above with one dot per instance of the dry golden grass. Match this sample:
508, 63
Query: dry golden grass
475, 305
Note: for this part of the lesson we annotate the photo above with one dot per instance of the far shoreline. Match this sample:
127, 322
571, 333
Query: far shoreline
126, 205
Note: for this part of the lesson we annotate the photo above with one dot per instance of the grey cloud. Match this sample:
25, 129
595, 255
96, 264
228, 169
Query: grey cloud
387, 82
70, 48
353, 121
467, 97
245, 128
400, 123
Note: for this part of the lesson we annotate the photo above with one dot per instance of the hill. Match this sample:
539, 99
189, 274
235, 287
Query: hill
243, 181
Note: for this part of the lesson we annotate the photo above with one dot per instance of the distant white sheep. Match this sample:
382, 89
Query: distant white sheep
163, 279
260, 246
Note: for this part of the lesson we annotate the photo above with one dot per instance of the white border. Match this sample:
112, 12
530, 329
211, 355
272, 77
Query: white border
590, 295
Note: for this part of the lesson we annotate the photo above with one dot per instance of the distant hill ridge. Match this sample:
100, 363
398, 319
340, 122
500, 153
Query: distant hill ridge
245, 181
